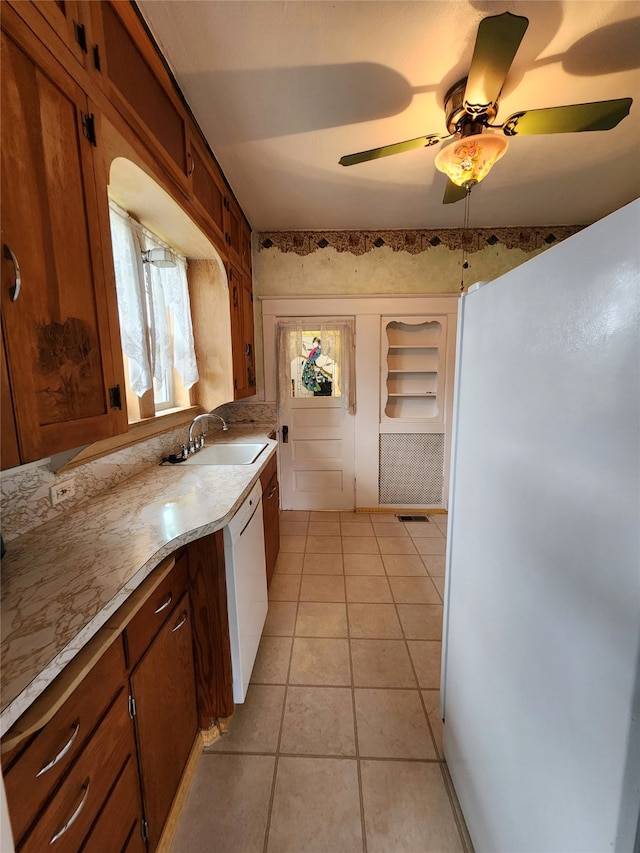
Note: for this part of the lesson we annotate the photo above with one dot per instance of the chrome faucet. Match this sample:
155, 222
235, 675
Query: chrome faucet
193, 446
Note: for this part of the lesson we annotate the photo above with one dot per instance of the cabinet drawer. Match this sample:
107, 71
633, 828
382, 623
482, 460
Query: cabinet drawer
33, 773
154, 612
80, 798
121, 817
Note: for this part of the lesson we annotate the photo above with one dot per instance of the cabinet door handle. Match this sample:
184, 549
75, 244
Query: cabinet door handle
10, 255
272, 493
192, 164
61, 754
180, 623
75, 815
165, 605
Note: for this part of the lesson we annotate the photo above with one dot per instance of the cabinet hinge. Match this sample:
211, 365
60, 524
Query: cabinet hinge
96, 58
144, 829
132, 706
89, 127
115, 397
80, 35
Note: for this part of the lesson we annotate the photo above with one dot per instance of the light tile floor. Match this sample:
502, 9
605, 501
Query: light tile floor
338, 746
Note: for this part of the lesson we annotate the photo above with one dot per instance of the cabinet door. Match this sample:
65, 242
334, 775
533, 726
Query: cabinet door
242, 341
10, 455
248, 338
234, 230
63, 16
246, 248
148, 105
207, 188
54, 301
163, 687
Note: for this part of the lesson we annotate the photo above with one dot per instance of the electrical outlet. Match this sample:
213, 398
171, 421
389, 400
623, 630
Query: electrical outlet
62, 492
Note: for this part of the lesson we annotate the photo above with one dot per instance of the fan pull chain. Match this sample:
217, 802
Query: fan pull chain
465, 233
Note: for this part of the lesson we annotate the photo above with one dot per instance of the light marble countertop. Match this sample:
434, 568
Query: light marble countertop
62, 581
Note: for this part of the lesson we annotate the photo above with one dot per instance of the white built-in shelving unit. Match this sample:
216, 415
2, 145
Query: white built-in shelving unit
412, 368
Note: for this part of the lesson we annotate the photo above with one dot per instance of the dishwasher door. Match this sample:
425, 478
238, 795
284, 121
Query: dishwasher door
246, 588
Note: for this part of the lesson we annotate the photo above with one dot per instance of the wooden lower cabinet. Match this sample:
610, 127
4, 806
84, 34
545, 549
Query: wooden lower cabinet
119, 826
163, 689
67, 820
85, 743
101, 775
211, 643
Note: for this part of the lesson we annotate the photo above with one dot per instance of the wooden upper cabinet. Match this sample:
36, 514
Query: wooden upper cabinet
242, 337
9, 452
234, 226
67, 27
55, 308
207, 187
246, 247
137, 89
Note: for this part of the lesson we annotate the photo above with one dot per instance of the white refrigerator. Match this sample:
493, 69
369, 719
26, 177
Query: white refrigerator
540, 683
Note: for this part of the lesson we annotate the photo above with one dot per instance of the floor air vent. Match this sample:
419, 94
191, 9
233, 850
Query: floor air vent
412, 518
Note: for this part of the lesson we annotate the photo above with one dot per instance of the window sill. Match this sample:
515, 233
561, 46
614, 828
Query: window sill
138, 431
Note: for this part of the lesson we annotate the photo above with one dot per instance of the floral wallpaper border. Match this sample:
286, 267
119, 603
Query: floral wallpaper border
415, 242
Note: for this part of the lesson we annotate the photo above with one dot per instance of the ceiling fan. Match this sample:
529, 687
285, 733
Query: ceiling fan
471, 107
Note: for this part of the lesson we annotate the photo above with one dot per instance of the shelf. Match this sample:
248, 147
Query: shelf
410, 385
411, 408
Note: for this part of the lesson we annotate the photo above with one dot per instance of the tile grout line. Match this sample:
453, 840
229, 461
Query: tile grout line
267, 828
363, 828
437, 760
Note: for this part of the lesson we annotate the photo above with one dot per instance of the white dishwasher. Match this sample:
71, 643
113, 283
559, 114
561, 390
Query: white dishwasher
246, 588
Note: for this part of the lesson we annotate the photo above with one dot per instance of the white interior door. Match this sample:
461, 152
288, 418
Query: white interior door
316, 424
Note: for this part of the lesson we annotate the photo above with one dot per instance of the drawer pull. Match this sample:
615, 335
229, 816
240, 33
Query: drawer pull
75, 814
180, 623
166, 604
17, 282
65, 749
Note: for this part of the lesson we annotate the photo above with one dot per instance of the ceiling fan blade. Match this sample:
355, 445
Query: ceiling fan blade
599, 115
497, 42
386, 150
453, 193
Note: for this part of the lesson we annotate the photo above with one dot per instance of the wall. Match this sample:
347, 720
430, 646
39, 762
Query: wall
304, 263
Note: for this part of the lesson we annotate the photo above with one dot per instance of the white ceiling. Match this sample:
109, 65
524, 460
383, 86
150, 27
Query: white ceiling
282, 89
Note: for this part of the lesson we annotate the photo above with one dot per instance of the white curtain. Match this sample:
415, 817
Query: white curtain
337, 343
127, 259
147, 295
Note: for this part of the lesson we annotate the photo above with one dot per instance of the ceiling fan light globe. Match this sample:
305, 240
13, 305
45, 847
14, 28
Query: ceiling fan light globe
467, 161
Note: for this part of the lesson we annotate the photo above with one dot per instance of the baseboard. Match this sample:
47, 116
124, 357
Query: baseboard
397, 510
